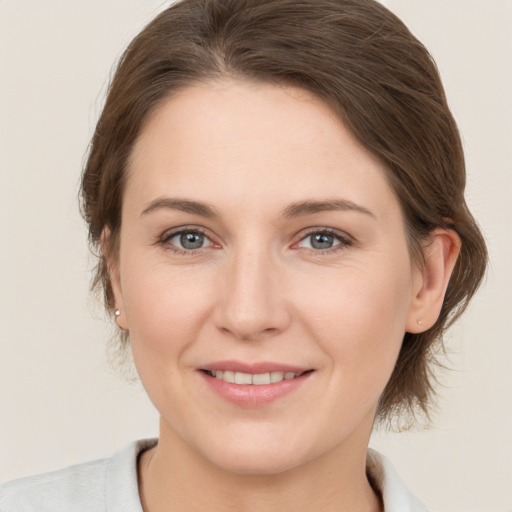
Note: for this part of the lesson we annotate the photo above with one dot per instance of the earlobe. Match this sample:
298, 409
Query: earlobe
431, 280
111, 262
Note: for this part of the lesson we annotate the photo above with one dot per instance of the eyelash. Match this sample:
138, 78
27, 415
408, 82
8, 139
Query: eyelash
343, 239
169, 235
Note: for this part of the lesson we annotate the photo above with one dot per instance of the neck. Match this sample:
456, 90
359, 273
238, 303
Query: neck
174, 478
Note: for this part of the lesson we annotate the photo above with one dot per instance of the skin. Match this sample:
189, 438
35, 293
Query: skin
258, 291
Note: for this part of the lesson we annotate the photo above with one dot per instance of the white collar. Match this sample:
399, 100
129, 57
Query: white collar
394, 494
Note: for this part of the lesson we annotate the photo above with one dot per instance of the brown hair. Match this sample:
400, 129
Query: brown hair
365, 64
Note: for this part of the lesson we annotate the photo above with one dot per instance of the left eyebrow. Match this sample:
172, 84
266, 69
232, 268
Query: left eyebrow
310, 207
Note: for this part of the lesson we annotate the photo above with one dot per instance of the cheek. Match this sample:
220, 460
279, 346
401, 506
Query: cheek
357, 316
165, 306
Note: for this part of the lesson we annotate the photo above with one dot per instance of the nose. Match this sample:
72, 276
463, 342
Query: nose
252, 304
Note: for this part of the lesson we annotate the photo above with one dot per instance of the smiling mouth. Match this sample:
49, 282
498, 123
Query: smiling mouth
258, 379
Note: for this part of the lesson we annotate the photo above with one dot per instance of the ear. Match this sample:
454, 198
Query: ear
111, 260
430, 281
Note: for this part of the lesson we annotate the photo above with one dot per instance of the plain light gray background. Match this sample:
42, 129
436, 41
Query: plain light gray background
59, 401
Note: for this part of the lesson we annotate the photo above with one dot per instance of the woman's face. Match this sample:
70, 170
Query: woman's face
260, 240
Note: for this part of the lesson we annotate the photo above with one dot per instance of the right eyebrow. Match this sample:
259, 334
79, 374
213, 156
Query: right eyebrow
183, 205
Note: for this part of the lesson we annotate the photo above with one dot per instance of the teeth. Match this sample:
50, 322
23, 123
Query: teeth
276, 376
243, 378
261, 378
257, 379
228, 376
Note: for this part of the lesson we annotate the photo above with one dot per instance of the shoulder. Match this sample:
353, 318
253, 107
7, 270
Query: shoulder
102, 485
385, 479
67, 489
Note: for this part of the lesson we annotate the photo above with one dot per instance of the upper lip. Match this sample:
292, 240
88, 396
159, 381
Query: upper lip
253, 368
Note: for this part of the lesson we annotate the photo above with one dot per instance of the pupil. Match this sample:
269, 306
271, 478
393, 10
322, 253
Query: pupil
322, 241
191, 240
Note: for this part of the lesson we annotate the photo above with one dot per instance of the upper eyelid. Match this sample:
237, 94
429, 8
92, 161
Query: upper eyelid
331, 231
170, 233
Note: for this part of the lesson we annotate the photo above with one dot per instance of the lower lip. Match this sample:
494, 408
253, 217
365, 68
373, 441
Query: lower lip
251, 395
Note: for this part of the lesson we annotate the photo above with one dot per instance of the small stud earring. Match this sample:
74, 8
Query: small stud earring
117, 314
420, 322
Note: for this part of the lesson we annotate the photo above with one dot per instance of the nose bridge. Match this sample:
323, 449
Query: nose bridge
252, 305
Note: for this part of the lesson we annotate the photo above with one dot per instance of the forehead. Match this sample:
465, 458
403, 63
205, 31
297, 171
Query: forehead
251, 143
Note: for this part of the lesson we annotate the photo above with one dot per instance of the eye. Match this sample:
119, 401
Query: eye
324, 240
188, 240
320, 241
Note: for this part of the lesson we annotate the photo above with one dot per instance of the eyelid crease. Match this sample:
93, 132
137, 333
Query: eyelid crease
342, 235
170, 233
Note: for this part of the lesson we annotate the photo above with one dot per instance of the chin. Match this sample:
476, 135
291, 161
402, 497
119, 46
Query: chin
262, 453
253, 462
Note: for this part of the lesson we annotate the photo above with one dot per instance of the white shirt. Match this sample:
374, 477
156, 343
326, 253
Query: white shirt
110, 485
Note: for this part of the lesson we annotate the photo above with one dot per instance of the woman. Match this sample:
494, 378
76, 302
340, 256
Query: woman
276, 189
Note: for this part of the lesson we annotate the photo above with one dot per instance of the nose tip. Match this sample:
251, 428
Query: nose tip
252, 305
245, 331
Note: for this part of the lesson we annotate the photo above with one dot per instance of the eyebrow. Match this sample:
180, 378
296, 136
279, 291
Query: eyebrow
184, 205
310, 207
298, 209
